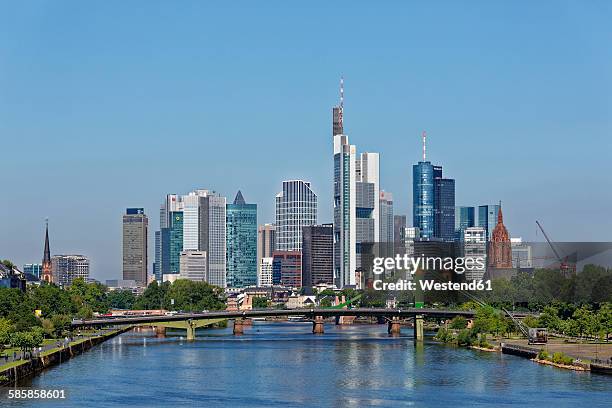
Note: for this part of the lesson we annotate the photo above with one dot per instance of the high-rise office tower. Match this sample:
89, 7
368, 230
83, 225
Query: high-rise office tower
296, 207
212, 236
399, 225
67, 268
172, 203
241, 243
266, 241
464, 218
317, 255
193, 265
172, 243
135, 236
387, 222
475, 246
47, 270
433, 197
487, 218
367, 202
444, 208
345, 212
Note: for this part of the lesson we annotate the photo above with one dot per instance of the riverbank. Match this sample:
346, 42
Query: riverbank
21, 369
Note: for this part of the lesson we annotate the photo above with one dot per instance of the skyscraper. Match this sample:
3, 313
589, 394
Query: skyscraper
444, 208
67, 268
172, 243
487, 218
287, 268
241, 243
296, 207
464, 218
317, 255
135, 235
399, 225
433, 198
47, 270
212, 236
266, 241
264, 275
387, 226
423, 198
367, 202
345, 212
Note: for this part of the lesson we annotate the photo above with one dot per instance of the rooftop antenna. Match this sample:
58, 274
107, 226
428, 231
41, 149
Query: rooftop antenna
341, 118
424, 146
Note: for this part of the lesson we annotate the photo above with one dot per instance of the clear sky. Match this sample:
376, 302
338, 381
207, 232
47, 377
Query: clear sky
108, 105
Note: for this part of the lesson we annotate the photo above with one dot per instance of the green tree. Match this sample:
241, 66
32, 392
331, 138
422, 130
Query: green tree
260, 302
458, 322
550, 318
6, 328
585, 321
121, 299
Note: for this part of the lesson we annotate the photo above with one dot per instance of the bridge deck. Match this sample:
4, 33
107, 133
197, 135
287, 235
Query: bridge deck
325, 312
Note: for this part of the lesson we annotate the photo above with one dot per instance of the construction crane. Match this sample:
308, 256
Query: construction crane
563, 264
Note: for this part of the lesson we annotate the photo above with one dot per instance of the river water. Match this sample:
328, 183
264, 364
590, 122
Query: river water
284, 365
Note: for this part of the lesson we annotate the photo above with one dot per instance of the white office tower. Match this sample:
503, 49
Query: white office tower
193, 266
296, 208
367, 206
264, 277
344, 212
475, 246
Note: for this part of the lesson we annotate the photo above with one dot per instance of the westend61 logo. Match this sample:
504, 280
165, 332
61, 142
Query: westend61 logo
411, 265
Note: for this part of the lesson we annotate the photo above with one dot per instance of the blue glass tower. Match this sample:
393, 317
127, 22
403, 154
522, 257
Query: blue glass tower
423, 197
241, 238
172, 243
487, 218
464, 218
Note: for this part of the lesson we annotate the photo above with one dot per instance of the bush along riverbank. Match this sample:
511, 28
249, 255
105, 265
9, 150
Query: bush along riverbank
465, 338
560, 360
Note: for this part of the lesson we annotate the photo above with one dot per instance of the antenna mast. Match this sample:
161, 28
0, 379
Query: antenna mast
342, 103
424, 146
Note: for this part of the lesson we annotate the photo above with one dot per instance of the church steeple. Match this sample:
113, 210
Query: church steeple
47, 274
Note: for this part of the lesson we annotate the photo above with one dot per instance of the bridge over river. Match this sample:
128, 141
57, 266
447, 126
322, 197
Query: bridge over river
192, 321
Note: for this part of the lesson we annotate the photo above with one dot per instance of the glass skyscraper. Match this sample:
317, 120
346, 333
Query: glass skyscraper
464, 218
444, 208
487, 218
423, 198
296, 207
241, 243
172, 243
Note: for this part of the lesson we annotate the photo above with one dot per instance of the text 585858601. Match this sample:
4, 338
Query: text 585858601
36, 394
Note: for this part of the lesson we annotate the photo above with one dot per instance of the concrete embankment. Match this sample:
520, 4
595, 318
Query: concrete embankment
37, 364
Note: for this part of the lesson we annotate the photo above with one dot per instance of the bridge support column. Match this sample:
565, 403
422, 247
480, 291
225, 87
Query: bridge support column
394, 328
160, 331
318, 325
418, 327
238, 327
191, 335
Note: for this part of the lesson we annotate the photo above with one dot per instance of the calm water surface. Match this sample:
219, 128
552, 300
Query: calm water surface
283, 364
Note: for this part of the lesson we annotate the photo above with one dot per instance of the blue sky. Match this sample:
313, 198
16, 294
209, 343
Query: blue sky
107, 105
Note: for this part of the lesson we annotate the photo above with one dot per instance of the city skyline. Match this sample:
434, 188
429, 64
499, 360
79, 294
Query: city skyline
534, 126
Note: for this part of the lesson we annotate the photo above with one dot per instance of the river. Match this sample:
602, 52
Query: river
284, 365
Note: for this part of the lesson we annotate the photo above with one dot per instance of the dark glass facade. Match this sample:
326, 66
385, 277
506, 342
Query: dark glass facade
172, 243
317, 255
241, 243
464, 218
423, 198
444, 208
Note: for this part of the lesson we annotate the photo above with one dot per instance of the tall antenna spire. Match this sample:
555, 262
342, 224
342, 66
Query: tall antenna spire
424, 146
342, 92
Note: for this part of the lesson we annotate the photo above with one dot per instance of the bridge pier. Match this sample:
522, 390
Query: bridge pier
238, 327
394, 328
160, 331
318, 325
418, 327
